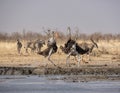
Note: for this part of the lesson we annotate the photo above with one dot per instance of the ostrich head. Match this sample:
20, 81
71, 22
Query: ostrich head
18, 40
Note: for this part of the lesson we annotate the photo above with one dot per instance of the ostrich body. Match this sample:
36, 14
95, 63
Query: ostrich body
45, 52
89, 46
39, 44
51, 49
19, 46
30, 45
73, 49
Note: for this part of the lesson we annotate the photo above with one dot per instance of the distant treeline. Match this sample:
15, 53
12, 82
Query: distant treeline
59, 35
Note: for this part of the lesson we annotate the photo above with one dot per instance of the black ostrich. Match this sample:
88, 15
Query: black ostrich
51, 49
72, 48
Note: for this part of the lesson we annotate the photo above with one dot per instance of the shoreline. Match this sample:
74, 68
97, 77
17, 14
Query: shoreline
59, 71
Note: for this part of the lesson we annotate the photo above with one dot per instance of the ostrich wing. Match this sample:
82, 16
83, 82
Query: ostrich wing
80, 50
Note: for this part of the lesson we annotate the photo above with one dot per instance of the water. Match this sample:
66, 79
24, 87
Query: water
43, 84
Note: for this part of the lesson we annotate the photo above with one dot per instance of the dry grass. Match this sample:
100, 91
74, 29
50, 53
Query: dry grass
108, 53
110, 48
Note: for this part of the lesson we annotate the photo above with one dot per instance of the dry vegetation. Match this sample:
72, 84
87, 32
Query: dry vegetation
108, 53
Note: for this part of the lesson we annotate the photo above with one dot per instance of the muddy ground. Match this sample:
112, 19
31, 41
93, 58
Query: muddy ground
59, 71
83, 74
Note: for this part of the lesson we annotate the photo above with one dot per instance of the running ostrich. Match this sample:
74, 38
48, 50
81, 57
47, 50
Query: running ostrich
90, 46
73, 49
36, 45
51, 48
19, 46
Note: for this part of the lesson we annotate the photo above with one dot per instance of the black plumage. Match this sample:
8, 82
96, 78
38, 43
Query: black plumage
45, 52
67, 47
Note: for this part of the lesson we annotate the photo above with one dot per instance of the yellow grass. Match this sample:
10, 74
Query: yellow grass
112, 47
108, 53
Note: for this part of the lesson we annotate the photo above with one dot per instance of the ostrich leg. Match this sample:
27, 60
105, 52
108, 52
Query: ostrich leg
68, 59
50, 53
78, 59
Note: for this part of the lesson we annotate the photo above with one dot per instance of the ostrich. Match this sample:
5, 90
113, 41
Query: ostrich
89, 46
39, 44
51, 48
30, 45
36, 45
73, 49
19, 46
